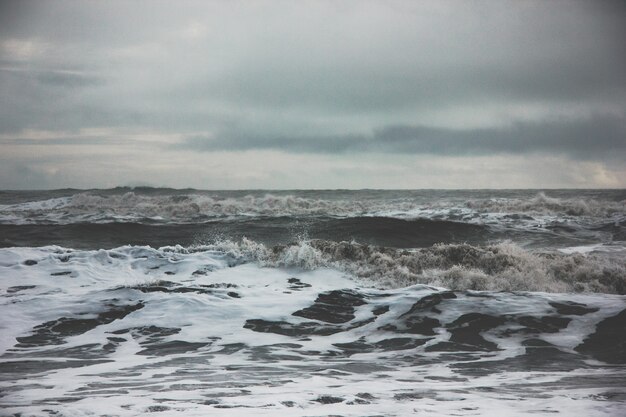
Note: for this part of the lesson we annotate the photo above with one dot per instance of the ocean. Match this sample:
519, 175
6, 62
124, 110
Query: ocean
169, 302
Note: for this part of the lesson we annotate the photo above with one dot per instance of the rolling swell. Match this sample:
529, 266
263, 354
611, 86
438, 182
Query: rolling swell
371, 230
95, 236
385, 231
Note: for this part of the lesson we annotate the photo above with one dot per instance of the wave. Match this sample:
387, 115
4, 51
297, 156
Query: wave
543, 204
195, 208
173, 208
497, 267
203, 331
373, 230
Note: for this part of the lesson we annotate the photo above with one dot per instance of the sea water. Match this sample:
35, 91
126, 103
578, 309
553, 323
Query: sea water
312, 303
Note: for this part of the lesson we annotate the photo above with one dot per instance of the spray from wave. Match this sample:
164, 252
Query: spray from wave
497, 267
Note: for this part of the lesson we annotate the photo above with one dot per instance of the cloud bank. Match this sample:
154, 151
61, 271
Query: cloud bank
600, 137
104, 93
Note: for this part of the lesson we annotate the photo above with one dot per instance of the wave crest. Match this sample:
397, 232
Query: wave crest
498, 267
178, 208
191, 208
543, 204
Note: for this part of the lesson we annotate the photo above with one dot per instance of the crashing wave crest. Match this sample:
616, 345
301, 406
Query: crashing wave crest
498, 267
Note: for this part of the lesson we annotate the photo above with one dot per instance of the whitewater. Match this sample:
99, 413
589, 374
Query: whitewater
146, 301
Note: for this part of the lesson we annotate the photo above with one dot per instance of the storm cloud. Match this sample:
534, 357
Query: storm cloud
581, 139
356, 82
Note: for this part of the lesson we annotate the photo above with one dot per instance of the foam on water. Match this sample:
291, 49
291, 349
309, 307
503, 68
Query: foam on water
543, 204
497, 267
185, 208
618, 248
137, 330
177, 208
351, 303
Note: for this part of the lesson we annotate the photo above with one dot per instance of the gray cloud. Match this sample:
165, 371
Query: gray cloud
68, 79
383, 60
63, 141
55, 78
438, 78
581, 139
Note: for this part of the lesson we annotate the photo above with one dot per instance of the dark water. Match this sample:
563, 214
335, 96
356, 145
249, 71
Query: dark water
372, 230
406, 219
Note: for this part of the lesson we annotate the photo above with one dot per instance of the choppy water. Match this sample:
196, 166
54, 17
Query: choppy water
309, 303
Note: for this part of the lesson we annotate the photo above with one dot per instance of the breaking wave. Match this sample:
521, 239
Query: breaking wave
498, 267
174, 208
543, 204
192, 208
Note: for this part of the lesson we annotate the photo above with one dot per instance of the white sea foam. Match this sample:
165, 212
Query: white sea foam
614, 248
543, 204
233, 370
128, 207
176, 208
497, 267
315, 327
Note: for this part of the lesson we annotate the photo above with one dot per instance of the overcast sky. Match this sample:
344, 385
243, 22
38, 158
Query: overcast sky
313, 94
